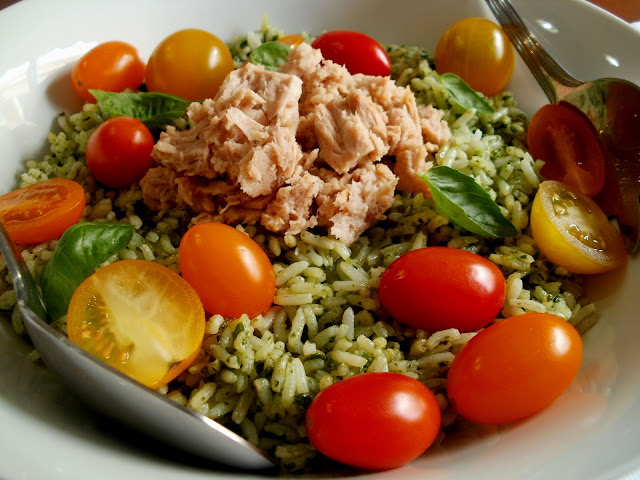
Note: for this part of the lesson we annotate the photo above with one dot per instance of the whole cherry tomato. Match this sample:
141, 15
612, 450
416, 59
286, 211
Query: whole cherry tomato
436, 288
374, 420
571, 230
228, 269
568, 143
119, 152
514, 368
139, 317
110, 66
42, 211
358, 52
479, 52
191, 64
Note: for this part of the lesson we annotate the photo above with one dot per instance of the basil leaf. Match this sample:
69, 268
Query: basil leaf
81, 249
152, 108
271, 55
459, 197
463, 94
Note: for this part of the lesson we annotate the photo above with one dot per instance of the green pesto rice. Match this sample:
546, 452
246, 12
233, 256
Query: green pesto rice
257, 376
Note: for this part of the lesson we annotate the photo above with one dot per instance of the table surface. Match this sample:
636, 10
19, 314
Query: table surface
628, 10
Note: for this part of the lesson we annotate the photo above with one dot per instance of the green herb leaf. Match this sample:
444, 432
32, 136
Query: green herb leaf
463, 94
271, 55
459, 197
81, 249
152, 108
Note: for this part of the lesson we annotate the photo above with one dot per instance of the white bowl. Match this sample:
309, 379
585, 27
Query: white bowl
593, 431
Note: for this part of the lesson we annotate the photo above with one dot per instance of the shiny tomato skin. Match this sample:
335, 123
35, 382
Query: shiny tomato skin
479, 52
119, 152
514, 368
436, 288
571, 230
190, 63
228, 269
358, 52
42, 211
111, 66
376, 421
568, 143
141, 318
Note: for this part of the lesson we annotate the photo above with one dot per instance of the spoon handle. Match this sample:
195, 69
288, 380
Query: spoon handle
555, 81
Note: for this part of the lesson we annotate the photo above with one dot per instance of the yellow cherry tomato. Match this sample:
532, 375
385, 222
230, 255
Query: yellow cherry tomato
571, 230
292, 39
191, 64
139, 317
479, 52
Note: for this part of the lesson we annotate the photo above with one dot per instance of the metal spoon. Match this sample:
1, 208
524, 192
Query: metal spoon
117, 395
612, 105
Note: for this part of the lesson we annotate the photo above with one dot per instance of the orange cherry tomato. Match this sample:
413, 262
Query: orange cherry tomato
292, 39
228, 269
571, 230
514, 368
119, 152
43, 211
191, 64
374, 420
139, 317
568, 143
110, 66
479, 52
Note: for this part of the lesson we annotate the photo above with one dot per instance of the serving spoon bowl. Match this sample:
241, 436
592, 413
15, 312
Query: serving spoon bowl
613, 107
115, 394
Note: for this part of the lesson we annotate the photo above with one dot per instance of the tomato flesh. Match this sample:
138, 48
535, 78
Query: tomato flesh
436, 288
479, 52
111, 66
374, 420
514, 368
119, 152
190, 63
139, 317
228, 269
359, 53
568, 143
42, 211
571, 230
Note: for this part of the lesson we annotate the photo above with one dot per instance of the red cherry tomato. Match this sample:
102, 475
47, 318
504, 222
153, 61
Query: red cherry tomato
358, 52
374, 420
436, 288
514, 368
568, 143
119, 152
43, 211
228, 269
110, 66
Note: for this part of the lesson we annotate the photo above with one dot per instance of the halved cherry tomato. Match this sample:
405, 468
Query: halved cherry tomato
43, 211
374, 420
292, 39
568, 143
479, 52
110, 66
436, 288
358, 52
571, 230
514, 368
191, 64
139, 317
119, 151
228, 269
